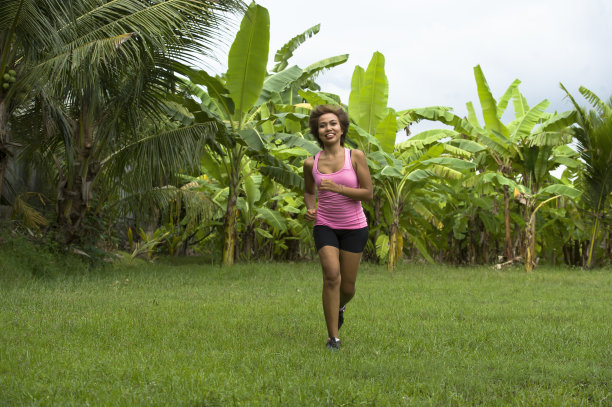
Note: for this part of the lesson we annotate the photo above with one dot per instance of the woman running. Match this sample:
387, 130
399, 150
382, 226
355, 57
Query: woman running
340, 231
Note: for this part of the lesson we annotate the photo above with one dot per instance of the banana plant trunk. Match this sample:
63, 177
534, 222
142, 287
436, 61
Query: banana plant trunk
530, 233
231, 213
229, 229
395, 239
508, 235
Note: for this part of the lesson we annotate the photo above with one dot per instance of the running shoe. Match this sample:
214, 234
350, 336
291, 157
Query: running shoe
341, 317
333, 344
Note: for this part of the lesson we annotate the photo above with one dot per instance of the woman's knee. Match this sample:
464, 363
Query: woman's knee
331, 276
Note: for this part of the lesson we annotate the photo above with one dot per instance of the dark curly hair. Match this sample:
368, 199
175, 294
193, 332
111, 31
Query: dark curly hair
317, 112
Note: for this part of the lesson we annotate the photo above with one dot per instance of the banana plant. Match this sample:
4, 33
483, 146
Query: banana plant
506, 144
239, 103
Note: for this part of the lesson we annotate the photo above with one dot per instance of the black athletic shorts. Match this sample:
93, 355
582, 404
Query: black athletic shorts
350, 240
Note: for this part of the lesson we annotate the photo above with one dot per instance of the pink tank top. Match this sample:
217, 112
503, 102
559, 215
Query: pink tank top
334, 210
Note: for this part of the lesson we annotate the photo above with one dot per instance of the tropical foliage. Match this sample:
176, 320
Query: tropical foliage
111, 139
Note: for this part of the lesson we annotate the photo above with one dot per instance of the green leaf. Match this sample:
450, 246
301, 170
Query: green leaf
317, 98
454, 163
382, 247
503, 102
216, 90
252, 184
264, 233
391, 171
530, 119
603, 109
487, 102
292, 140
267, 125
467, 145
277, 83
420, 175
357, 84
374, 95
364, 139
286, 51
420, 245
248, 57
252, 139
560, 121
425, 138
272, 218
386, 132
472, 118
560, 189
520, 104
312, 70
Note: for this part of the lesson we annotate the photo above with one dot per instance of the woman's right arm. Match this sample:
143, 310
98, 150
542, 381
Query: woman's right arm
309, 190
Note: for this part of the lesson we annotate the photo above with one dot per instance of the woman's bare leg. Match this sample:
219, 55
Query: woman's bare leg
349, 264
330, 263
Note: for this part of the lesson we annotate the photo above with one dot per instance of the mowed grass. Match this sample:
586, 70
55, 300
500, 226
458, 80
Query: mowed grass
253, 334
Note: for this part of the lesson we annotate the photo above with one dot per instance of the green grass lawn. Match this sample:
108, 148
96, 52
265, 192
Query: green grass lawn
200, 335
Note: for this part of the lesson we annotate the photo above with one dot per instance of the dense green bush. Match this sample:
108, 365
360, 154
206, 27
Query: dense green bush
21, 257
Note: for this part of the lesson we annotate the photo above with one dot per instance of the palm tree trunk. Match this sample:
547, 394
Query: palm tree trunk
75, 191
4, 138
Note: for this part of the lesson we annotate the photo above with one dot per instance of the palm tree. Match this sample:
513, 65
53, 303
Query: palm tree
100, 76
594, 143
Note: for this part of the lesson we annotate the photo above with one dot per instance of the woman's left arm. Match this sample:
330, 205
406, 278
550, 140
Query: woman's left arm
365, 190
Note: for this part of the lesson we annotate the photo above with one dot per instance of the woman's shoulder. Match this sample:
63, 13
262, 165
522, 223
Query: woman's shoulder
309, 162
356, 153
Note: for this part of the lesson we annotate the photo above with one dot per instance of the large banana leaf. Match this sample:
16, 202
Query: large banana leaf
252, 184
363, 139
317, 98
472, 118
560, 189
286, 51
373, 95
559, 121
444, 115
357, 84
425, 138
276, 83
292, 140
503, 102
216, 90
386, 132
272, 218
252, 139
316, 68
404, 119
530, 119
520, 104
488, 104
248, 57
468, 145
284, 176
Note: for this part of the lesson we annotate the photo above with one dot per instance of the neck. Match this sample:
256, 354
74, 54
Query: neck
333, 149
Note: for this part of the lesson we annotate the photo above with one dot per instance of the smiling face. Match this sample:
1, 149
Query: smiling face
329, 128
